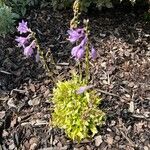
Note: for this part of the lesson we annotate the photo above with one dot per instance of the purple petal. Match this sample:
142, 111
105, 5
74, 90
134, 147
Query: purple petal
23, 28
75, 34
84, 41
74, 50
73, 39
80, 53
28, 51
21, 41
33, 44
83, 89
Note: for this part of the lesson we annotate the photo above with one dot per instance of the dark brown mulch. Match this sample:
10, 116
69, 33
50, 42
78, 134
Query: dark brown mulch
121, 73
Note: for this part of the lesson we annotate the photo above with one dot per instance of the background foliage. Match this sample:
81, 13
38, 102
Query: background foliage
20, 6
85, 4
12, 10
9, 9
7, 19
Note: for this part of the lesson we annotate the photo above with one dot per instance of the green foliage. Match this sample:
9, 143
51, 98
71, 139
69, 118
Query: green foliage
77, 114
98, 3
59, 4
7, 19
20, 6
84, 3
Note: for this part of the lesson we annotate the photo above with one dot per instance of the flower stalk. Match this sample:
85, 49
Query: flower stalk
87, 73
80, 37
75, 20
80, 71
32, 49
41, 54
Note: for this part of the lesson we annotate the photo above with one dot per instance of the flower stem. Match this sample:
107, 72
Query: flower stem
87, 65
80, 71
87, 73
42, 56
76, 9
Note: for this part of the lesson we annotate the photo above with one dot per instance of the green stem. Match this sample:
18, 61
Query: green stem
80, 72
87, 64
43, 59
87, 72
51, 56
41, 53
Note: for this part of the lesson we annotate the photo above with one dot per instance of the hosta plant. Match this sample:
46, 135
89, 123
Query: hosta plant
7, 19
76, 109
20, 6
59, 4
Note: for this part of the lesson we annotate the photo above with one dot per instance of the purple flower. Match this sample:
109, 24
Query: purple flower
75, 35
74, 50
78, 52
93, 53
83, 89
33, 44
28, 51
23, 28
22, 40
84, 41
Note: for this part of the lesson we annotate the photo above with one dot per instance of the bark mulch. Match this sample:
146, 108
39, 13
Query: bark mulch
121, 75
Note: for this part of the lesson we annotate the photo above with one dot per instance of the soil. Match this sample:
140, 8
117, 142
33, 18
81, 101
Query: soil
121, 74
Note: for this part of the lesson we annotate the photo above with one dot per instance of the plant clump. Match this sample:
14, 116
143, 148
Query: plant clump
75, 101
76, 109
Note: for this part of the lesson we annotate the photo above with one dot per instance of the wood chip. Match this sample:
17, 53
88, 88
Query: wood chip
131, 107
98, 140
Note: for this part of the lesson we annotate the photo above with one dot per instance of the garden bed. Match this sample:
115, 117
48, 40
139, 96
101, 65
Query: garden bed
121, 75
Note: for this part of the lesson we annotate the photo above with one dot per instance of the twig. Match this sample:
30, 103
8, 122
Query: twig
108, 93
141, 117
130, 141
147, 98
17, 90
5, 72
63, 64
